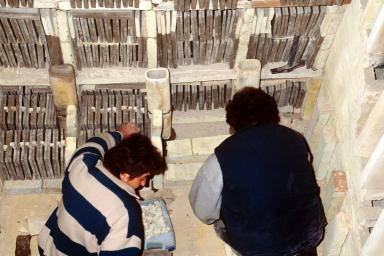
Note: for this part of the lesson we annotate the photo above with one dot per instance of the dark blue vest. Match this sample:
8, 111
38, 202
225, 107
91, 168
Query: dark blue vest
270, 199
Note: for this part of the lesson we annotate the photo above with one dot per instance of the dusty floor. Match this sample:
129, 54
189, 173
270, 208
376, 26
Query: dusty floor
192, 237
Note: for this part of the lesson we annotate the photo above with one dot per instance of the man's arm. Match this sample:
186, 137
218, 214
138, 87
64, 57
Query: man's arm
205, 194
100, 144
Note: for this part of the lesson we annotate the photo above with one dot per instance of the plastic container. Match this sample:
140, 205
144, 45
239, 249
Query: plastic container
164, 241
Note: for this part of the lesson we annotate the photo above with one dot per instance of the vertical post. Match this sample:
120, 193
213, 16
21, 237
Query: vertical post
374, 244
243, 33
156, 127
375, 43
71, 132
372, 177
62, 80
65, 37
51, 30
247, 74
337, 232
372, 130
159, 96
150, 33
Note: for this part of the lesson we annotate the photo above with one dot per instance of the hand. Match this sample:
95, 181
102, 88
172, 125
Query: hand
127, 129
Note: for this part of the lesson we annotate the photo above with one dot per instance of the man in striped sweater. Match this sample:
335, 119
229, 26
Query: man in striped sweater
99, 213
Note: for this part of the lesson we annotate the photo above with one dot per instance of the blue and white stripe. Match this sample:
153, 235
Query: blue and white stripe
98, 214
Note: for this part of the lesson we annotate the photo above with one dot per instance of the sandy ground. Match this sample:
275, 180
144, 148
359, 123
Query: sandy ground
192, 237
16, 210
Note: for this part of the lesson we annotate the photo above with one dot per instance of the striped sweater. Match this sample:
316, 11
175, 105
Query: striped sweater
98, 213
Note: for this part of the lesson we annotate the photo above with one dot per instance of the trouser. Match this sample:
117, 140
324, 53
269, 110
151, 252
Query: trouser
311, 252
222, 233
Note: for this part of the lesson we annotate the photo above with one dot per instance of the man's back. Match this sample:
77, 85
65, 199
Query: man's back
270, 199
98, 213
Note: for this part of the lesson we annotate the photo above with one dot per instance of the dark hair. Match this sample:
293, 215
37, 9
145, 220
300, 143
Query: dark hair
251, 106
134, 155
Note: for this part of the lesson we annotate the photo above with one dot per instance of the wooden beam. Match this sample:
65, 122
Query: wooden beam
143, 6
116, 75
265, 3
22, 13
282, 3
24, 76
169, 5
372, 131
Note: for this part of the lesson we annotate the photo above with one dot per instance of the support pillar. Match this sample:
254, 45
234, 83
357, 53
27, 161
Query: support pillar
62, 80
375, 43
243, 34
65, 37
156, 127
71, 132
150, 33
372, 130
159, 96
336, 234
247, 74
372, 177
374, 244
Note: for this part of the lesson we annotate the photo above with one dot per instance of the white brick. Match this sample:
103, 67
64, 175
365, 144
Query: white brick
23, 186
52, 184
331, 12
324, 152
336, 234
207, 145
321, 59
178, 149
182, 171
327, 42
335, 193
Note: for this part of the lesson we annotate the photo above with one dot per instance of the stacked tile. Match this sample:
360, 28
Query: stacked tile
196, 37
200, 95
287, 3
278, 44
32, 145
287, 94
31, 108
186, 5
16, 3
22, 39
88, 4
106, 109
32, 154
110, 39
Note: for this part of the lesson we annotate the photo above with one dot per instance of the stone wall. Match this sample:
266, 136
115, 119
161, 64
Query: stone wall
344, 129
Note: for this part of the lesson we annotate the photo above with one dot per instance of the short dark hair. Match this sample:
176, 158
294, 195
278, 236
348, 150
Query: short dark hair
134, 155
251, 105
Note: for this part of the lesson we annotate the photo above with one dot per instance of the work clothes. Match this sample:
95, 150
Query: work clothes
260, 183
98, 213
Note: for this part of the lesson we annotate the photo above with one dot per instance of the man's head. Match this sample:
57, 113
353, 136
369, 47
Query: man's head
133, 160
251, 106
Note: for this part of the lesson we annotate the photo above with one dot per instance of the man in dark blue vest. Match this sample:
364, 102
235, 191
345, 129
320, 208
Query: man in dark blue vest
259, 188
